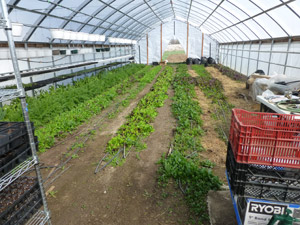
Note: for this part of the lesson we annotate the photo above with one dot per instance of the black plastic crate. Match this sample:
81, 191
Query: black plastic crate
12, 135
18, 198
265, 183
16, 157
19, 201
261, 173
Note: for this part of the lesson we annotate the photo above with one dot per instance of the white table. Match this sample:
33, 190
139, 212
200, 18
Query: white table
265, 104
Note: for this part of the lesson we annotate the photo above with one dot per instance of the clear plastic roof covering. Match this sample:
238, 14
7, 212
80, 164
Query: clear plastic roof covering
224, 20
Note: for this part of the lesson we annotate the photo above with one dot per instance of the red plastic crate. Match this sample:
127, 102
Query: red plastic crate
265, 138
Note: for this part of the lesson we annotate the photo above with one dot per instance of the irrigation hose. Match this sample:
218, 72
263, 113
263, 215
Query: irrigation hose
291, 107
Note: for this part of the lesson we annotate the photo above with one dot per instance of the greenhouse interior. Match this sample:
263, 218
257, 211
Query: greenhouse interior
150, 112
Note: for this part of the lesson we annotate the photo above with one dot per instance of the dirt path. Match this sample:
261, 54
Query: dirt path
233, 90
177, 58
123, 195
215, 148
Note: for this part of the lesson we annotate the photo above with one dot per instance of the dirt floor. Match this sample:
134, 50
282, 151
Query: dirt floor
128, 194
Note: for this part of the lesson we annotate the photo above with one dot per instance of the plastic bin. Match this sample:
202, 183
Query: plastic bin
265, 138
272, 183
21, 209
12, 135
16, 157
261, 173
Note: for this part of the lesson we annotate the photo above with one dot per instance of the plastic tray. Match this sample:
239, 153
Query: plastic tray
246, 184
20, 207
265, 138
260, 173
20, 155
12, 135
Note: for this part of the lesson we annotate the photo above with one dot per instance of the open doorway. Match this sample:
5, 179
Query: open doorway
174, 52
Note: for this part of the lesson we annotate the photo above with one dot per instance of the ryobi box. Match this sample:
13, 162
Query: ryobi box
260, 212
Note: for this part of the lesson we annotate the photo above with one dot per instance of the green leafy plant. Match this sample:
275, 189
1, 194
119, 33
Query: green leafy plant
53, 194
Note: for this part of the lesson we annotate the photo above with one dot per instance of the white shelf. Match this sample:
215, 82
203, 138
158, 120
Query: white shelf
39, 218
9, 94
11, 176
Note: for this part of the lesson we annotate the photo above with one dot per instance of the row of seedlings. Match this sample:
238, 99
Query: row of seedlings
58, 112
138, 124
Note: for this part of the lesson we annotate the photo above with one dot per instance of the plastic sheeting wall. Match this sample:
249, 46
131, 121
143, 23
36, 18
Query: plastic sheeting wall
169, 33
274, 58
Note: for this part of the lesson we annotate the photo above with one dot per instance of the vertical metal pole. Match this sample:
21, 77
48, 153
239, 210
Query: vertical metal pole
236, 56
287, 55
83, 57
53, 64
187, 39
147, 50
29, 67
12, 49
221, 54
140, 55
242, 57
258, 53
202, 45
174, 28
217, 52
231, 54
161, 56
94, 55
249, 59
270, 56
227, 56
70, 58
109, 55
209, 49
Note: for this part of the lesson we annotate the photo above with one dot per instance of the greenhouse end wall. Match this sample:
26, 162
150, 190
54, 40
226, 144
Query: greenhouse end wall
174, 30
271, 57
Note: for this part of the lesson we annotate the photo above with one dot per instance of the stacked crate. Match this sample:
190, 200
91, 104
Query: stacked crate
22, 198
263, 158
